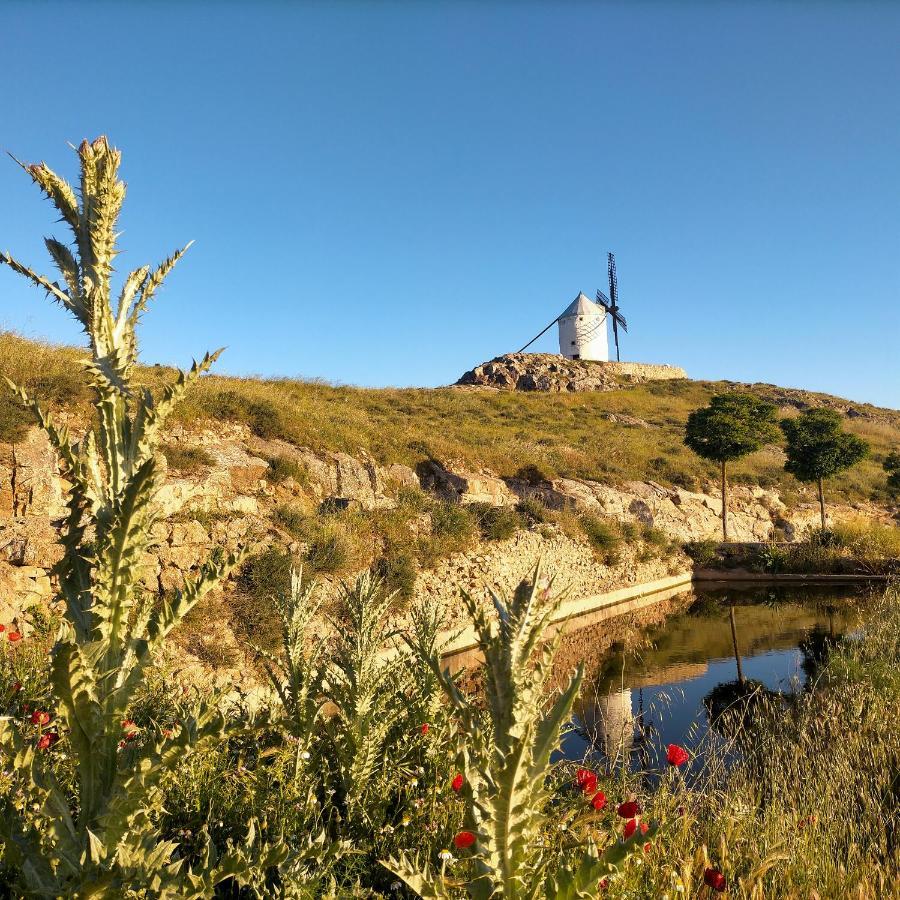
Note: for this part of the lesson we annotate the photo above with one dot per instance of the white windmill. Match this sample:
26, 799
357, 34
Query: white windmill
582, 324
582, 330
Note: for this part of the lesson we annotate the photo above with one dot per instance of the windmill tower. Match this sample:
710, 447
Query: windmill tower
582, 330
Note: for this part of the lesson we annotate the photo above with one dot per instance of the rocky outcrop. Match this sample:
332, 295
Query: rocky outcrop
556, 374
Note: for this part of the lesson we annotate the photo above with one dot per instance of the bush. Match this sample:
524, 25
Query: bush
452, 522
262, 417
533, 511
604, 536
186, 459
631, 531
283, 467
532, 474
496, 523
291, 519
327, 550
655, 536
398, 571
704, 553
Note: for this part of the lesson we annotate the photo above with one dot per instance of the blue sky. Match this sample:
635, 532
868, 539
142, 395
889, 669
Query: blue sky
391, 193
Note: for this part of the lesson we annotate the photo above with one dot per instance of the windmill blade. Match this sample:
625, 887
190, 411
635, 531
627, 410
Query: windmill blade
617, 316
603, 300
613, 280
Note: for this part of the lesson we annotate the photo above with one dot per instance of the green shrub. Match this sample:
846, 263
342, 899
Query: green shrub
655, 536
533, 474
283, 467
496, 523
327, 550
704, 553
604, 536
15, 420
261, 416
631, 531
533, 511
452, 522
187, 459
292, 519
398, 571
267, 574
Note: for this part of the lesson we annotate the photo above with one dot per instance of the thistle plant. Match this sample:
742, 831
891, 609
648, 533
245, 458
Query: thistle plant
297, 676
504, 758
97, 837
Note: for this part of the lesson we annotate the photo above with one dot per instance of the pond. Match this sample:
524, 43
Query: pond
648, 675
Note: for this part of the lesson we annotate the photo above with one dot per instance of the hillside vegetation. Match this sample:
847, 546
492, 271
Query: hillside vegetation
550, 435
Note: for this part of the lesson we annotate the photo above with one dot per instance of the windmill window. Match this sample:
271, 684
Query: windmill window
573, 343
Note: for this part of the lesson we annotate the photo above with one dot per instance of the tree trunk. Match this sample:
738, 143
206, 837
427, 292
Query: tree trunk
737, 652
724, 505
822, 503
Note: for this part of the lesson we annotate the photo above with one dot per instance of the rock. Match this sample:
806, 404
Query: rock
552, 373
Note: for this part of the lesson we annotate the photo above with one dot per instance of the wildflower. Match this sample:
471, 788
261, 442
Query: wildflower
644, 827
47, 740
424, 728
2, 628
463, 840
304, 754
676, 756
586, 780
445, 855
715, 879
647, 847
167, 732
630, 828
14, 636
629, 809
457, 782
604, 884
39, 717
598, 801
17, 686
130, 729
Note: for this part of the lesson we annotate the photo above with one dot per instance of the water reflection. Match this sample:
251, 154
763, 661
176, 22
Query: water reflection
656, 683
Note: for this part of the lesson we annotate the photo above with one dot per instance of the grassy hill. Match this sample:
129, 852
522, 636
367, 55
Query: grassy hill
562, 435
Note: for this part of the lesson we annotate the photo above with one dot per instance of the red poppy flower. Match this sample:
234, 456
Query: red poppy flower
715, 879
644, 827
598, 801
17, 686
629, 809
582, 775
676, 756
630, 828
14, 636
463, 840
647, 847
604, 884
424, 728
46, 741
457, 782
39, 717
2, 628
167, 732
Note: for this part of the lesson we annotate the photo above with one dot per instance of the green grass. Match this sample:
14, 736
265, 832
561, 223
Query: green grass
535, 436
186, 459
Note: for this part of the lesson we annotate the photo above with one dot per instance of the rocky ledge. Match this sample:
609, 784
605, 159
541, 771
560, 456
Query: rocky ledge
555, 374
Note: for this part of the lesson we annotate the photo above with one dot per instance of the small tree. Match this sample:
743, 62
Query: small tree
817, 448
96, 835
732, 426
891, 465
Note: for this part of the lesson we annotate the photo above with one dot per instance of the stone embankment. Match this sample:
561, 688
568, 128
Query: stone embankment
233, 502
556, 374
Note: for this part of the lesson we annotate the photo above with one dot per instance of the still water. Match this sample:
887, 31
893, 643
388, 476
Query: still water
646, 682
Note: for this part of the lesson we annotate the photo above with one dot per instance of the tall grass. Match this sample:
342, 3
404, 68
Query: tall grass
508, 433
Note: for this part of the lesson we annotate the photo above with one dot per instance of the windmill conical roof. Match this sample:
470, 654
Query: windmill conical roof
581, 306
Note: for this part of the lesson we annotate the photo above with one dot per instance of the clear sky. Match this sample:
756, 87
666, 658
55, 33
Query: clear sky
391, 193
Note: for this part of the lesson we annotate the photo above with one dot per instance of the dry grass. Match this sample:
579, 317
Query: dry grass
556, 434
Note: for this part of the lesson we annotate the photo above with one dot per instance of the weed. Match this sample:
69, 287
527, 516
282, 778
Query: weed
187, 459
